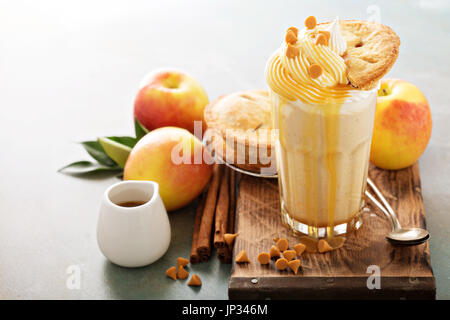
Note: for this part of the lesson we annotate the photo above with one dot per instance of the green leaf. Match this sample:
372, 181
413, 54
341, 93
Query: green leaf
128, 141
97, 152
88, 168
139, 129
115, 150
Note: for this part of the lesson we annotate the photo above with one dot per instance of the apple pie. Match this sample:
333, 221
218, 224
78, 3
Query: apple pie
241, 128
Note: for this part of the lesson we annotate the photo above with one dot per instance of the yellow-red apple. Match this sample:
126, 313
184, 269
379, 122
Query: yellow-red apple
402, 125
170, 98
176, 160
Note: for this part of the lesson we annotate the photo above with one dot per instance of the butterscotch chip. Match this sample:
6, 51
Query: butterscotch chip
292, 51
264, 257
290, 37
311, 22
372, 49
299, 248
195, 281
294, 265
229, 238
182, 262
182, 274
289, 254
315, 71
281, 264
336, 242
323, 246
274, 252
282, 244
294, 30
325, 33
172, 273
242, 257
321, 39
276, 239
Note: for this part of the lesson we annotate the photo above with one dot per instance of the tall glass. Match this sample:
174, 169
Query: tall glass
323, 160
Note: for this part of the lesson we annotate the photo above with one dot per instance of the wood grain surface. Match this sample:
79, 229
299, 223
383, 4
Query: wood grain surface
406, 271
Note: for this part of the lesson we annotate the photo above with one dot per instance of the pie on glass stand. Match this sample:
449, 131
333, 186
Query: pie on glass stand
241, 127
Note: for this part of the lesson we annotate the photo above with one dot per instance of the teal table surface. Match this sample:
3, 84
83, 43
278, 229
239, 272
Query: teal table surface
69, 71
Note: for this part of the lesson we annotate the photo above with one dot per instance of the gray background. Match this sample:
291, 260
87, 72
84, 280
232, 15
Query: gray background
69, 71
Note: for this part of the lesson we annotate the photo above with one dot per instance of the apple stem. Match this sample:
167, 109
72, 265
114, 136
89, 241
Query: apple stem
384, 91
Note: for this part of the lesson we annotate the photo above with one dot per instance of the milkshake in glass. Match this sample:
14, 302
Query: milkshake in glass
325, 130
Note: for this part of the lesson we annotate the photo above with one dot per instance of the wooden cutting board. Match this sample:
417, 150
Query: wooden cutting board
406, 272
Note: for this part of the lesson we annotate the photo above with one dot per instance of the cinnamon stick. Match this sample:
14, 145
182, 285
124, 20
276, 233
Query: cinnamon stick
232, 215
194, 257
223, 203
224, 254
204, 236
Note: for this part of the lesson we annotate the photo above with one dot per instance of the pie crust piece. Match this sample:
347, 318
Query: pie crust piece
372, 49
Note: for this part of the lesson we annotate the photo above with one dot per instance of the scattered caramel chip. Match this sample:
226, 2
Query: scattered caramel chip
282, 244
321, 39
172, 273
292, 51
274, 252
264, 258
290, 37
294, 265
336, 242
325, 33
195, 281
315, 71
182, 274
294, 30
242, 257
299, 248
289, 254
311, 22
323, 246
281, 264
229, 238
310, 243
182, 262
276, 239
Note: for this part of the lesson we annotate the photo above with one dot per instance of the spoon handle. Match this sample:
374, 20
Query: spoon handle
380, 206
394, 218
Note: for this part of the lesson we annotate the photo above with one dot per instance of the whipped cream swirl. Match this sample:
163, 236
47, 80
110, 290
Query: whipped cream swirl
337, 42
289, 70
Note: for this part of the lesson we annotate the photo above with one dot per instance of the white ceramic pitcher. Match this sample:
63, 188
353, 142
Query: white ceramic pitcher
133, 236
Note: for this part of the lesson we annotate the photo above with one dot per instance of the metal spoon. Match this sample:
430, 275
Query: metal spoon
398, 235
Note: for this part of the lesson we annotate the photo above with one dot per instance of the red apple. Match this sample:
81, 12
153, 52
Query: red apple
176, 160
170, 98
402, 126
